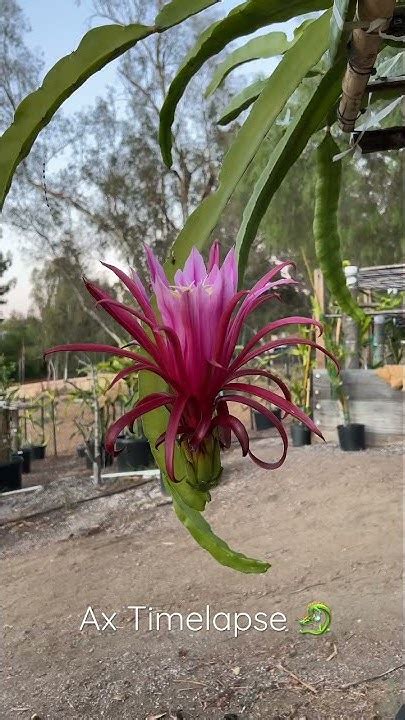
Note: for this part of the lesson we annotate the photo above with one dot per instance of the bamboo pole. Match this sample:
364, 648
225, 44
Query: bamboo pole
320, 304
363, 50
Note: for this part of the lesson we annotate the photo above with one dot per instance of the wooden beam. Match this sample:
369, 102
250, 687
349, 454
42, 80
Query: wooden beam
381, 140
319, 289
388, 86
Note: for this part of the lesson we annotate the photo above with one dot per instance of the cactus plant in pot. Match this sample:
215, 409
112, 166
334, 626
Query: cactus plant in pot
10, 464
133, 448
300, 387
29, 427
96, 410
351, 435
38, 449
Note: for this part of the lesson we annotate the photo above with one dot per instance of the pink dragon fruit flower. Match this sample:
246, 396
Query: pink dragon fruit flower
192, 347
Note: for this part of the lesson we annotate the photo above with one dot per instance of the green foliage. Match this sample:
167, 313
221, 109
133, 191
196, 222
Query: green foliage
242, 20
203, 534
295, 63
5, 262
339, 35
7, 372
335, 377
98, 47
20, 339
175, 12
308, 118
241, 101
301, 373
264, 46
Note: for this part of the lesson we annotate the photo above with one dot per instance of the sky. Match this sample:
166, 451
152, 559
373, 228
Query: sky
56, 29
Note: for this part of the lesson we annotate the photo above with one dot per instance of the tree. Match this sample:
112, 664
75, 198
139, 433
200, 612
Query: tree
21, 347
63, 317
5, 263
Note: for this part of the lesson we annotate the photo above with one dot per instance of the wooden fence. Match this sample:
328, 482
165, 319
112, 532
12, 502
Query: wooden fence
372, 402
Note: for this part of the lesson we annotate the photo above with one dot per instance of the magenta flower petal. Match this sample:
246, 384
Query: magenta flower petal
155, 268
95, 348
136, 288
214, 256
276, 422
152, 402
194, 269
171, 434
233, 423
277, 400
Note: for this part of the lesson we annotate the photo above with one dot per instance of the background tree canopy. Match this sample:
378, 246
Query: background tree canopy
107, 187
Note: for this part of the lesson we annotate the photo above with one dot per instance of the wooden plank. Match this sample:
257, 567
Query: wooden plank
373, 439
380, 416
360, 384
371, 141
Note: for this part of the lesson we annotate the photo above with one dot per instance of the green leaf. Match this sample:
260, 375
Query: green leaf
176, 11
326, 229
264, 46
241, 101
202, 533
343, 11
97, 48
246, 98
242, 20
286, 152
392, 66
296, 62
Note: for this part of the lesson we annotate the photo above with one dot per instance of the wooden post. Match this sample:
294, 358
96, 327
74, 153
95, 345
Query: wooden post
319, 288
96, 429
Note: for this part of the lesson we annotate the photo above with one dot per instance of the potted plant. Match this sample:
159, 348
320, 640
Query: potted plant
38, 449
10, 465
260, 421
300, 387
133, 447
351, 435
95, 415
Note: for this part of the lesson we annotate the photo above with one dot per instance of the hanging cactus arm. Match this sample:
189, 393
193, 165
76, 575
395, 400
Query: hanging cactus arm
309, 118
243, 20
325, 228
302, 56
177, 11
201, 531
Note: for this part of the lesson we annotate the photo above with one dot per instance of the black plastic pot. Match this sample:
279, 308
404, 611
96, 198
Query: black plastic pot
136, 454
10, 474
38, 452
81, 451
300, 435
106, 458
352, 437
27, 457
262, 422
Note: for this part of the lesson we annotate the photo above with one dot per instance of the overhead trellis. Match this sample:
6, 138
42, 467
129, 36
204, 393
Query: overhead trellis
382, 277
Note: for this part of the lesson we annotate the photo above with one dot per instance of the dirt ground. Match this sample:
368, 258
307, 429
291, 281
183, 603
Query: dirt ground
329, 522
